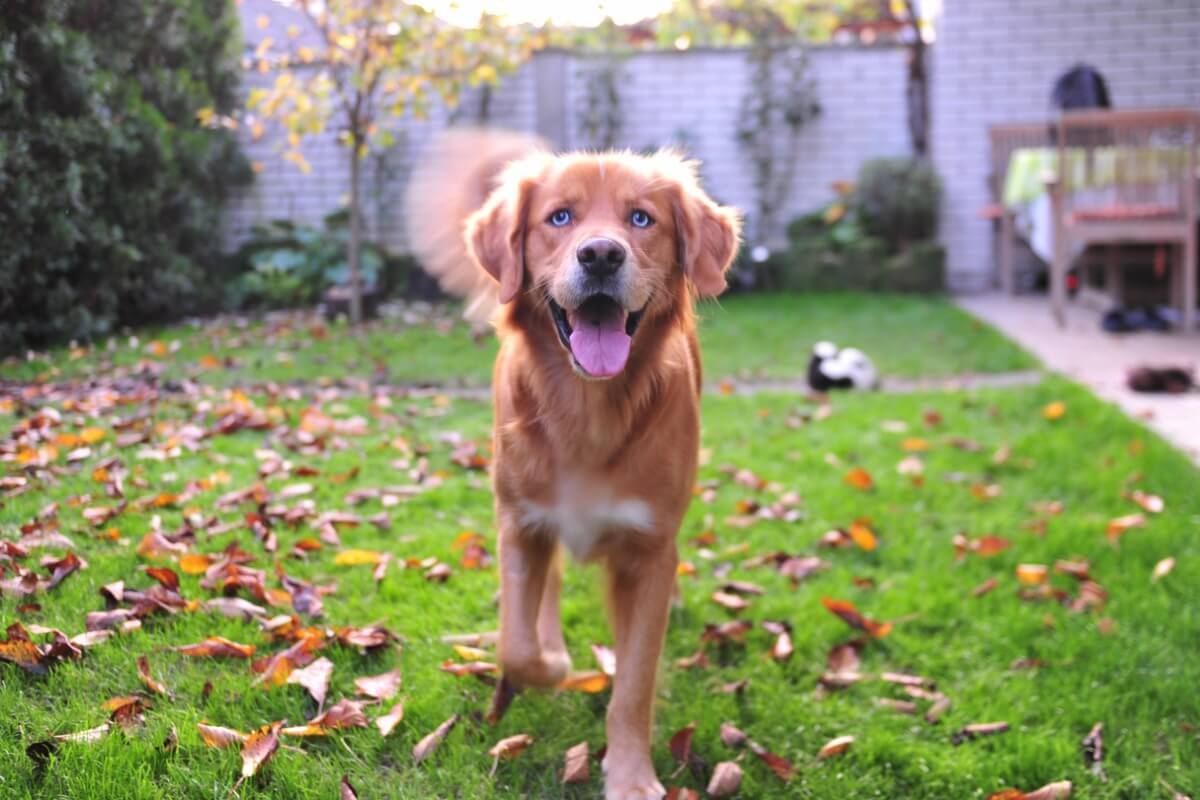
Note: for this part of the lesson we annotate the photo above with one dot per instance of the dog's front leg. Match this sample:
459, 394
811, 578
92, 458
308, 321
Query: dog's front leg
528, 580
640, 586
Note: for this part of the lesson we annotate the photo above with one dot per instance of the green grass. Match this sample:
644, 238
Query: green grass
747, 336
1140, 679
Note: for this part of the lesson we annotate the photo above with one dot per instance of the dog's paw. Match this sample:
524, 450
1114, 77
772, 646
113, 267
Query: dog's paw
632, 779
540, 671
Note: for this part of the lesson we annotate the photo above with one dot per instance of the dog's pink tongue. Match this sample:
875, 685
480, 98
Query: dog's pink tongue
600, 346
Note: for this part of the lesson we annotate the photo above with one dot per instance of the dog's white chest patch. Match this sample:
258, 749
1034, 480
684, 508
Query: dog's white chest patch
582, 514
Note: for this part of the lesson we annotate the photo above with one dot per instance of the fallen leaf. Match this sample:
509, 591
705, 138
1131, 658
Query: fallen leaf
575, 764
428, 744
1032, 574
977, 730
681, 744
314, 678
346, 790
1120, 525
726, 780
143, 666
216, 736
860, 479
388, 722
354, 558
862, 535
509, 747
589, 682
835, 747
19, 650
1059, 790
1150, 503
217, 647
1162, 569
90, 736
778, 764
380, 687
259, 747
845, 610
730, 601
1055, 410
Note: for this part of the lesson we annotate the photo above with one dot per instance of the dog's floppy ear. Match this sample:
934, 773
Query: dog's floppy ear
496, 233
706, 238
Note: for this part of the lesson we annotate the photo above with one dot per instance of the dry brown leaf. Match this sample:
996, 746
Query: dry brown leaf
726, 780
427, 745
143, 667
347, 791
1162, 569
388, 722
259, 747
314, 678
380, 687
782, 649
509, 747
1059, 790
732, 737
217, 647
851, 616
1120, 525
835, 747
860, 479
575, 764
730, 601
216, 736
590, 682
778, 764
1151, 503
977, 730
681, 744
90, 736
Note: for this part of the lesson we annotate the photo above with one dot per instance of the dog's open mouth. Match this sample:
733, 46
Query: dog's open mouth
598, 334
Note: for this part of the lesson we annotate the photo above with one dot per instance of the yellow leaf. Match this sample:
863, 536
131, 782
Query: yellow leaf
262, 21
1032, 574
860, 479
297, 158
1054, 410
915, 445
353, 558
195, 564
862, 535
92, 435
589, 682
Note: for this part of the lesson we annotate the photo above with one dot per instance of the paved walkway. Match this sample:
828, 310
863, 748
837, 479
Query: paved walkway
1099, 360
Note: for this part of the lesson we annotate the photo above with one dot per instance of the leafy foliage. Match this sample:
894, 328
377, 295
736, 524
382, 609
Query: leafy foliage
288, 264
897, 200
110, 190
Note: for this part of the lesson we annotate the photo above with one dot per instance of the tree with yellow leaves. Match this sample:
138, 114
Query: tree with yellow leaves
360, 59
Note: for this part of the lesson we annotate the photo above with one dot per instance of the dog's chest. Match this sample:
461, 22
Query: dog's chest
583, 511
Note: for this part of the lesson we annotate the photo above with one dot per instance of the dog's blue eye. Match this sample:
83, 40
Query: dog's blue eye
560, 218
640, 219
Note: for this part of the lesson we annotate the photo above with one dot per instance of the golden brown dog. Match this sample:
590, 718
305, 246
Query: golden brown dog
595, 261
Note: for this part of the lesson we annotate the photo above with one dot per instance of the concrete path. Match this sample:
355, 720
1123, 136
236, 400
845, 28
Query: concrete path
1099, 360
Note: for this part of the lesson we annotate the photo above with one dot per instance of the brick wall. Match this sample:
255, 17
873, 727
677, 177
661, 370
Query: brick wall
997, 60
689, 98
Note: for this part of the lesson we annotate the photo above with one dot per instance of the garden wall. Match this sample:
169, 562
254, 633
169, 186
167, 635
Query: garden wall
689, 98
997, 60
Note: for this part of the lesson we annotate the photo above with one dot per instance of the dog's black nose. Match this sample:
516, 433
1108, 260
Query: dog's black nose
600, 257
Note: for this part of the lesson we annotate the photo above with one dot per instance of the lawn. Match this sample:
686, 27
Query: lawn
746, 336
991, 462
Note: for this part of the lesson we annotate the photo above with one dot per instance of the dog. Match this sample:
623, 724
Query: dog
589, 266
848, 368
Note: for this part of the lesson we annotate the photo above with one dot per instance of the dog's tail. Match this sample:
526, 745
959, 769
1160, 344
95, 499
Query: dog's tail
452, 180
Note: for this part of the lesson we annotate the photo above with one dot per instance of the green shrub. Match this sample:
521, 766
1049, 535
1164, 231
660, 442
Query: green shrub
110, 190
920, 268
897, 200
286, 264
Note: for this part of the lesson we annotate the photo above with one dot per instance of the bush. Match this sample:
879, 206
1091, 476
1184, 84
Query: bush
110, 190
897, 200
286, 265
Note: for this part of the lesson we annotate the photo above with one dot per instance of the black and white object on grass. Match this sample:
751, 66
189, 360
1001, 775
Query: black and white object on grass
848, 368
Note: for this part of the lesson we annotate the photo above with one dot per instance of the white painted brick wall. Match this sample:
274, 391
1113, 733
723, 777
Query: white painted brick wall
996, 61
694, 96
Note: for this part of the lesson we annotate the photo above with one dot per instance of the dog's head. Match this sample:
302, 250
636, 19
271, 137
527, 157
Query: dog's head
605, 242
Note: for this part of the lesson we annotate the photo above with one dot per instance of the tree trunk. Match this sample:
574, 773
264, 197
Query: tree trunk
355, 251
